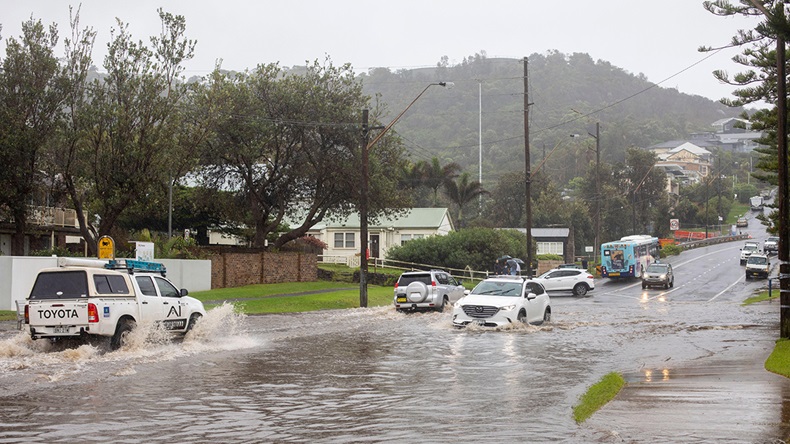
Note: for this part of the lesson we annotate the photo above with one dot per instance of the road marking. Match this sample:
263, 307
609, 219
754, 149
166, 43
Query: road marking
725, 290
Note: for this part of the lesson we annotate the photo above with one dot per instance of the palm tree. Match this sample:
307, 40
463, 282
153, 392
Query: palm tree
462, 191
435, 175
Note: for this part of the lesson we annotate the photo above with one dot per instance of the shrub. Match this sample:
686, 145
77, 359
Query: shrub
671, 250
477, 248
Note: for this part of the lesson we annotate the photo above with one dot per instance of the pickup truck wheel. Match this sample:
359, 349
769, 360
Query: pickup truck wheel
121, 336
192, 321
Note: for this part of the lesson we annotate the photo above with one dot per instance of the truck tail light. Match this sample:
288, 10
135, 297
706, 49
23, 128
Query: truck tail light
27, 314
93, 313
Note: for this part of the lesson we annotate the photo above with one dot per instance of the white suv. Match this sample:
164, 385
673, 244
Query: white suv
426, 290
501, 301
749, 247
579, 281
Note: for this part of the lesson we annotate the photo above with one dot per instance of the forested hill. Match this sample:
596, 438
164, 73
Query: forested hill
568, 93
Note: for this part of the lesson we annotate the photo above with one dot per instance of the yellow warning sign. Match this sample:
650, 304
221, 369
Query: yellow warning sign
106, 248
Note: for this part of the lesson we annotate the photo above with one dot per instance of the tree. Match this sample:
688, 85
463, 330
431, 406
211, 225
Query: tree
288, 143
462, 191
30, 103
436, 175
125, 130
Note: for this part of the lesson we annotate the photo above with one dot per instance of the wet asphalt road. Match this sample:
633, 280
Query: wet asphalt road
692, 356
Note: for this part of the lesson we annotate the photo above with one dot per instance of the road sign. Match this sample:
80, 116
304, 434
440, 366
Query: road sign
674, 224
106, 247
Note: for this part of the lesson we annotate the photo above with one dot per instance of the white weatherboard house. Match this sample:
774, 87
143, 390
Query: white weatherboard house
343, 236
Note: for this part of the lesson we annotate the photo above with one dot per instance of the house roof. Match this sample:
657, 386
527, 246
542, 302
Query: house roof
690, 147
406, 218
545, 232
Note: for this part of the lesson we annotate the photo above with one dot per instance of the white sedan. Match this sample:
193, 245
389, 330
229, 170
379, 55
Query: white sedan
501, 301
580, 282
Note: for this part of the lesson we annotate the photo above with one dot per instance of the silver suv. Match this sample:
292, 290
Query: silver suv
426, 290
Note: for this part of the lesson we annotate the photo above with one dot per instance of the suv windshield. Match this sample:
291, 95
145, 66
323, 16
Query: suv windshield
60, 285
657, 268
498, 288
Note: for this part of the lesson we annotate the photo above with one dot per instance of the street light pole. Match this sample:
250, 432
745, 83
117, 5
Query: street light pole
363, 191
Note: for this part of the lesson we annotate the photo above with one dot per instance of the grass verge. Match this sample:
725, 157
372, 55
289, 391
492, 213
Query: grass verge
779, 361
7, 315
295, 297
597, 396
762, 296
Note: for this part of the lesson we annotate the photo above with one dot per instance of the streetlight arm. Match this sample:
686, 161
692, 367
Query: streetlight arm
391, 124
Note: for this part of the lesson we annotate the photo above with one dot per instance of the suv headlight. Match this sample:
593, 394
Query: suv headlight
507, 307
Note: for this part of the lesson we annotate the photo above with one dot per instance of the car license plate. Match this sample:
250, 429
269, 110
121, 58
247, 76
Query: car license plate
61, 329
402, 299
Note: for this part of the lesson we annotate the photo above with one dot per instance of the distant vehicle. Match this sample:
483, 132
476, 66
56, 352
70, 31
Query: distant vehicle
756, 203
426, 290
503, 300
658, 274
629, 256
567, 279
771, 245
748, 249
758, 265
742, 222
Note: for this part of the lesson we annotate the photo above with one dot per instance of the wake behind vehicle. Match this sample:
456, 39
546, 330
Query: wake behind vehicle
658, 275
83, 298
503, 300
426, 290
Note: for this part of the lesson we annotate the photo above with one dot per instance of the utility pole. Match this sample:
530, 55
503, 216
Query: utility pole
527, 172
597, 246
363, 215
784, 226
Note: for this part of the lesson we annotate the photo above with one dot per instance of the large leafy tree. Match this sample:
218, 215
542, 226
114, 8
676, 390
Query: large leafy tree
290, 142
125, 135
31, 91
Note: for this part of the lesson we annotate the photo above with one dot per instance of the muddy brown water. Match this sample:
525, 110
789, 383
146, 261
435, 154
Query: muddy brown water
693, 358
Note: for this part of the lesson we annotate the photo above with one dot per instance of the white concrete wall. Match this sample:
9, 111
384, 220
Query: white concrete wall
18, 273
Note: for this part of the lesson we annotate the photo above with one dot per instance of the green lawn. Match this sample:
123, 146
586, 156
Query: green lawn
295, 297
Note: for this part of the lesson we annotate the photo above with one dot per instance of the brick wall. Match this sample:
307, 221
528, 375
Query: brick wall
239, 269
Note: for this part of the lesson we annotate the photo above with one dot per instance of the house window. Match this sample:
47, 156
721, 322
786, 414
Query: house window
407, 237
344, 240
550, 248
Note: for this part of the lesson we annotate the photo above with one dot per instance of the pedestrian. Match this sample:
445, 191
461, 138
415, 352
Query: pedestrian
498, 268
515, 268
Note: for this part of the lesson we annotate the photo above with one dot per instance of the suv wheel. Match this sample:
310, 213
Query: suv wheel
580, 290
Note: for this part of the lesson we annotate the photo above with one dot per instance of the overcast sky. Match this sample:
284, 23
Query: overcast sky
656, 38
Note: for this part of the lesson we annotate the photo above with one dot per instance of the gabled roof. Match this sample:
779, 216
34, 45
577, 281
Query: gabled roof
430, 218
690, 147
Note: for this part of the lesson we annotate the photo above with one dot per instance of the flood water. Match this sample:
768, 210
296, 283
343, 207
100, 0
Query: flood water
374, 375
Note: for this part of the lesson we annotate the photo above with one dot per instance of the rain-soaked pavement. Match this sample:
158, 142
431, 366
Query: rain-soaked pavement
693, 358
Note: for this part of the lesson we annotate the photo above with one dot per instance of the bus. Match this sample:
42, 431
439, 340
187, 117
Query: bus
629, 256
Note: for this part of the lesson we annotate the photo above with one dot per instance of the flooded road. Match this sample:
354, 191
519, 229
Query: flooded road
373, 375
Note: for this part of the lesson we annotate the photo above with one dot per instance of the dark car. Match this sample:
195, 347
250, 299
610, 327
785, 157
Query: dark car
658, 275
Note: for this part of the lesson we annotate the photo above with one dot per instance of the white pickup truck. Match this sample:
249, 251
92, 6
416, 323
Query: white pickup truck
85, 297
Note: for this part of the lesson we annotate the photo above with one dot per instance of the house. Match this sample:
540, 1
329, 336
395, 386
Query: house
342, 237
693, 160
552, 241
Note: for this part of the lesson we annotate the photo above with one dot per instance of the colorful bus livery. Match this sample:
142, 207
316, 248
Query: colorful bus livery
628, 257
